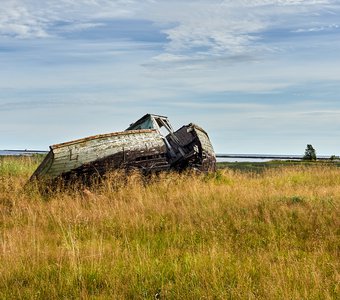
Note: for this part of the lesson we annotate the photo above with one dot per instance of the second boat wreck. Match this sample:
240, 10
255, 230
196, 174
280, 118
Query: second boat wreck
150, 144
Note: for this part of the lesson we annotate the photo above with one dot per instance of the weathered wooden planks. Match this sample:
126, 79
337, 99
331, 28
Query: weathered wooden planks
70, 156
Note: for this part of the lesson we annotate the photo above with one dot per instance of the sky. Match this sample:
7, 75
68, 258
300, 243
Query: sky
260, 76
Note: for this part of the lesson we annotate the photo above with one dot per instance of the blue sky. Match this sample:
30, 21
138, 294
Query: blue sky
261, 76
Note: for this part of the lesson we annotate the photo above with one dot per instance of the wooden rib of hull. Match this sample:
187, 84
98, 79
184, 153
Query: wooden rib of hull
199, 153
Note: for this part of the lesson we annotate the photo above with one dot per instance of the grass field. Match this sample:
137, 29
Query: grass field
236, 234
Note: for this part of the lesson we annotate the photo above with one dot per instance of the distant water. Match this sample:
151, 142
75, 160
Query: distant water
20, 152
262, 157
230, 159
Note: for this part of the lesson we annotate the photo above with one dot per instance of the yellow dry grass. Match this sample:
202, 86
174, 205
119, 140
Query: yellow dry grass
231, 235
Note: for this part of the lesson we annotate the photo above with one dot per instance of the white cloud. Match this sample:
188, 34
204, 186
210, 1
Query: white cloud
81, 26
203, 29
217, 27
200, 34
34, 18
318, 29
17, 20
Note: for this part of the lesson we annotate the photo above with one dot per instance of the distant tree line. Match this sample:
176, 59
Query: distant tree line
310, 154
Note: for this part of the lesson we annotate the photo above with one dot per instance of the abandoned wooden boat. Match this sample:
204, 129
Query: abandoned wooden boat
143, 145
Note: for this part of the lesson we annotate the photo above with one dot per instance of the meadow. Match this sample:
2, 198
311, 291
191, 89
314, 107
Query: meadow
235, 234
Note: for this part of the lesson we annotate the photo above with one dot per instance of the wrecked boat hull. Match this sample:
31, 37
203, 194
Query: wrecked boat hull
143, 149
97, 154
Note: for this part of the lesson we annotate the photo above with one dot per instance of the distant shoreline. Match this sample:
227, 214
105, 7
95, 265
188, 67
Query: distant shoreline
21, 152
268, 156
220, 157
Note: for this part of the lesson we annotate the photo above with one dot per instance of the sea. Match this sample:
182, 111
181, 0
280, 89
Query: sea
21, 152
230, 159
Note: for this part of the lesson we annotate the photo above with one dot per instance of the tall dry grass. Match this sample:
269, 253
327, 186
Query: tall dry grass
231, 235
